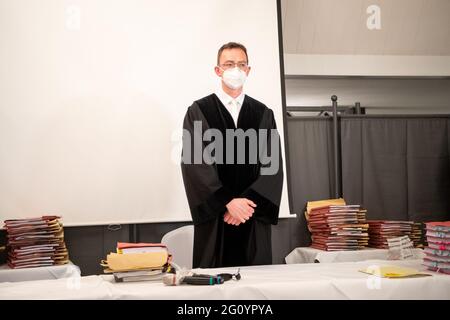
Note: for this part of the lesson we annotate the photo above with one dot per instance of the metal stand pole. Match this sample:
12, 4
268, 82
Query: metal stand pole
337, 165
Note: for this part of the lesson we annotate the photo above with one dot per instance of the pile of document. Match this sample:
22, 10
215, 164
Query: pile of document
400, 248
35, 242
138, 262
382, 230
338, 227
438, 249
418, 234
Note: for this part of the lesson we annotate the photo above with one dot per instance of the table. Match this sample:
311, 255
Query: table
42, 273
310, 255
290, 281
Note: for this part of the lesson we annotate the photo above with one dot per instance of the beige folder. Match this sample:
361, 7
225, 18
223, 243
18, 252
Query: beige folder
135, 261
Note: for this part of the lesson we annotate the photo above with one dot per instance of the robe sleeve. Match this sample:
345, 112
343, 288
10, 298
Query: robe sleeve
206, 195
266, 190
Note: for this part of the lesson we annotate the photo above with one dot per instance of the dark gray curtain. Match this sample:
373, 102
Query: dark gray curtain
310, 165
374, 166
397, 167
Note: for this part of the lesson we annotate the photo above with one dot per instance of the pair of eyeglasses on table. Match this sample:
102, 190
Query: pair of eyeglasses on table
207, 279
228, 276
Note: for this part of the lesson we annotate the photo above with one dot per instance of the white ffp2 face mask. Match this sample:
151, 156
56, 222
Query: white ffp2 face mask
234, 78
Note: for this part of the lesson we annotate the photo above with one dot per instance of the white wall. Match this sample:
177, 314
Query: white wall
366, 27
366, 65
333, 47
366, 37
388, 96
92, 92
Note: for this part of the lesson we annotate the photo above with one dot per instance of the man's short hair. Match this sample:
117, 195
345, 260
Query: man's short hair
231, 45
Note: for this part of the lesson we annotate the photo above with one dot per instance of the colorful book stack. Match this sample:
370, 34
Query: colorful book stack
338, 227
138, 262
35, 242
438, 249
381, 230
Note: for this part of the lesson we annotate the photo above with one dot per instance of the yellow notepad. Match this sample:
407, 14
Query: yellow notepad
393, 272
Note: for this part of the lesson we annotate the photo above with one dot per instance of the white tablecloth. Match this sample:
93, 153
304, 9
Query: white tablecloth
310, 255
293, 281
42, 273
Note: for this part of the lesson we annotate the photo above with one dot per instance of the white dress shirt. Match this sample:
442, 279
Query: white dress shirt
233, 105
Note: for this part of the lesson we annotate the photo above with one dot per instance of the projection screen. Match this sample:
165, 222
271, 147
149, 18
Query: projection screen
93, 95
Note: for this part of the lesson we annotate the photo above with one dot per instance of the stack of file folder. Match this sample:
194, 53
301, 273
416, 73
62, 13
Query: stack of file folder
438, 249
138, 262
418, 234
35, 242
381, 230
338, 227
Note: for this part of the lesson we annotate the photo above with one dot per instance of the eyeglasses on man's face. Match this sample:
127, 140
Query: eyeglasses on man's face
230, 65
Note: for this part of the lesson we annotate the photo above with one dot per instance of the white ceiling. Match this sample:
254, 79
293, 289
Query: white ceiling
408, 27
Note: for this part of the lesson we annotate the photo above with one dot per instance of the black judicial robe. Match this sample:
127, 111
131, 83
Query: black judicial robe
209, 187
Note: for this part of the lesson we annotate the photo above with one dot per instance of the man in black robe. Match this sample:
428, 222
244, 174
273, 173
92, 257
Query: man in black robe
234, 199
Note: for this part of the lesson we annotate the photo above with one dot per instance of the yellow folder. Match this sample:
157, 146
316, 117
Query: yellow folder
134, 261
393, 272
